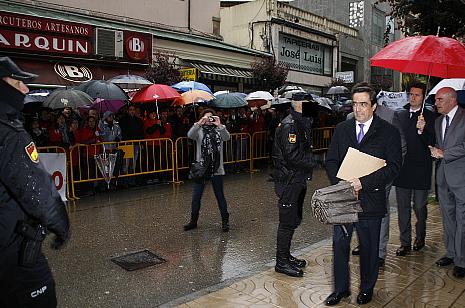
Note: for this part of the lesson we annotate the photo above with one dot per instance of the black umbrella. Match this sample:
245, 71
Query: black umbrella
130, 81
59, 99
34, 99
338, 90
103, 89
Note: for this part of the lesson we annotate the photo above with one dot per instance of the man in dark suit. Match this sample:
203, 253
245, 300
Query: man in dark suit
369, 134
414, 180
450, 177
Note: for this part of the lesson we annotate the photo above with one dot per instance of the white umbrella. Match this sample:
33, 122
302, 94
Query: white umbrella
259, 95
220, 92
458, 84
454, 83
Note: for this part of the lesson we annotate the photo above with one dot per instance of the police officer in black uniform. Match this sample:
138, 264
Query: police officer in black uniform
293, 162
30, 205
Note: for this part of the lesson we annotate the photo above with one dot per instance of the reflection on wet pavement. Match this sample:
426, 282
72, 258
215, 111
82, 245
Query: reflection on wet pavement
119, 222
411, 281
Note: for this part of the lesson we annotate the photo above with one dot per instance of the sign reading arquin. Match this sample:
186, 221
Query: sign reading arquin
44, 35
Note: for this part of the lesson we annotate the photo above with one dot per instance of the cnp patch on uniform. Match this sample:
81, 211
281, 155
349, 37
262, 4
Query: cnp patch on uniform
31, 151
292, 138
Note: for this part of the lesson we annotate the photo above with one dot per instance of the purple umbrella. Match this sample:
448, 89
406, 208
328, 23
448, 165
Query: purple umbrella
102, 105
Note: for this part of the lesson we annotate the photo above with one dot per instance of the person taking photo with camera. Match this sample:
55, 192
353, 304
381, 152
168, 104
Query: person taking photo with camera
209, 135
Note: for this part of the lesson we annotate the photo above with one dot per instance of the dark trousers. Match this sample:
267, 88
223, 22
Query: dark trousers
25, 287
290, 217
404, 211
368, 238
217, 184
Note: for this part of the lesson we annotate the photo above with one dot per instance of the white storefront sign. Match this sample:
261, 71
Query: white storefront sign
347, 77
301, 55
55, 164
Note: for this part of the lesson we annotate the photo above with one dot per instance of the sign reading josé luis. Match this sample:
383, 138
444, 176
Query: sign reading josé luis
44, 35
301, 55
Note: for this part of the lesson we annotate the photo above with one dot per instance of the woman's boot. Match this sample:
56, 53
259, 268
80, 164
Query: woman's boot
192, 224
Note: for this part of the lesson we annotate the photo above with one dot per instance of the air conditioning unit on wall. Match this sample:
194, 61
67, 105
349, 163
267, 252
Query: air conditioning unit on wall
109, 43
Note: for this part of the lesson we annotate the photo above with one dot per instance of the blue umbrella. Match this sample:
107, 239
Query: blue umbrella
229, 100
185, 86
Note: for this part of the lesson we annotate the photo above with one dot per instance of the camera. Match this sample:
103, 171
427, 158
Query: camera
211, 119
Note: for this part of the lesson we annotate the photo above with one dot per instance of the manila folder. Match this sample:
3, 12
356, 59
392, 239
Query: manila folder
357, 164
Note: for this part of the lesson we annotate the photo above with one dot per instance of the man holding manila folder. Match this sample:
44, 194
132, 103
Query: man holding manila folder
364, 135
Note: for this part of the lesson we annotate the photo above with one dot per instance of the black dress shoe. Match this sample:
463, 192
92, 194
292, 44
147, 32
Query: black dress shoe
444, 261
301, 263
459, 272
381, 262
286, 267
335, 297
364, 298
418, 244
356, 251
402, 251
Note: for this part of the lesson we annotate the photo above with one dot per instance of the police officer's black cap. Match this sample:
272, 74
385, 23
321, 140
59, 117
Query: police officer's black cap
302, 96
9, 69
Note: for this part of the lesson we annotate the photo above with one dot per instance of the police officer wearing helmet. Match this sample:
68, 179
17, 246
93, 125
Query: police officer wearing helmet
293, 163
30, 205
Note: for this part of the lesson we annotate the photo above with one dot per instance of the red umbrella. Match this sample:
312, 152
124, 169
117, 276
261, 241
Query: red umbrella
155, 93
426, 55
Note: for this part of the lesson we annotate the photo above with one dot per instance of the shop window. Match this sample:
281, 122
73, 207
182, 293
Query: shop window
378, 27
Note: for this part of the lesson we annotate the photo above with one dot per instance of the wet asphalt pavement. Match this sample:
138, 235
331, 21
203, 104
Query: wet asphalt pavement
151, 217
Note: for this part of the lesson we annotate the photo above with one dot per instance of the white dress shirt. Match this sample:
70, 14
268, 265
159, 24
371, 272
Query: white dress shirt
366, 127
451, 115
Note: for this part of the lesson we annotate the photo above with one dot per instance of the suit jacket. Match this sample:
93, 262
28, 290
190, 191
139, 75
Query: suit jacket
416, 171
451, 170
383, 141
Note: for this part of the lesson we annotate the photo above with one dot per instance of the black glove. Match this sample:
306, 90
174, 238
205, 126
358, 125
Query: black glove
58, 243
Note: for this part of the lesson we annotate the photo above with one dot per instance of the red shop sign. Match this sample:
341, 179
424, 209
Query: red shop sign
136, 47
49, 26
45, 43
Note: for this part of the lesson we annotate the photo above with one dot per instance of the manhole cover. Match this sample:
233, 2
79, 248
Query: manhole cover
138, 260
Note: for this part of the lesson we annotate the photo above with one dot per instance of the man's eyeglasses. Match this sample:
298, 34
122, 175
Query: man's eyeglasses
360, 104
415, 94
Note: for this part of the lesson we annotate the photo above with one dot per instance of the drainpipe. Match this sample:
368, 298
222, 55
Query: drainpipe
189, 16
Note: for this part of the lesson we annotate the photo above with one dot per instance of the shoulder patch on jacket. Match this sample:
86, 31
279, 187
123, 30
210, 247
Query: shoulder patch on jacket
31, 151
292, 138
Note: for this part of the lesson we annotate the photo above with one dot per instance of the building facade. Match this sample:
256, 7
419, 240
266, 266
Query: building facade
319, 40
370, 19
68, 42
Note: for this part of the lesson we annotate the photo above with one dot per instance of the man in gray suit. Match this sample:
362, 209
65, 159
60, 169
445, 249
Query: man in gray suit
450, 177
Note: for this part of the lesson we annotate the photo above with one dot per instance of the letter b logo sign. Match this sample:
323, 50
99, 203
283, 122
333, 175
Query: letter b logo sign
136, 45
135, 48
73, 71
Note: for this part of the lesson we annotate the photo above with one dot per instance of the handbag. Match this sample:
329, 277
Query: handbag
336, 204
198, 171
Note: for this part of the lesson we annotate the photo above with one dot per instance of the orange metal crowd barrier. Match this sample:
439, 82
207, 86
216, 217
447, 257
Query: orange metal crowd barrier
322, 138
134, 157
150, 156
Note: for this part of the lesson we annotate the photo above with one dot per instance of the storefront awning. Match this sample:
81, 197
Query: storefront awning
213, 71
49, 77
